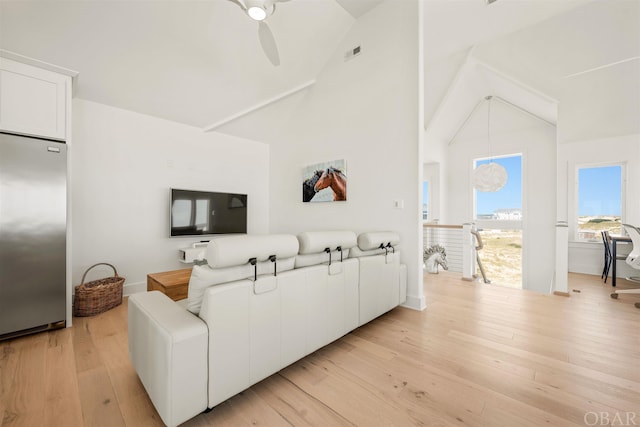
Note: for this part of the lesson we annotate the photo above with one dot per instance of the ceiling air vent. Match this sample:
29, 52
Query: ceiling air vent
351, 53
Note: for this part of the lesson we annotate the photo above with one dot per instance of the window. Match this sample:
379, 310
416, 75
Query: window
506, 203
600, 201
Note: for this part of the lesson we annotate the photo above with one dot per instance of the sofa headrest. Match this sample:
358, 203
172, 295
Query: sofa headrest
238, 250
373, 239
312, 242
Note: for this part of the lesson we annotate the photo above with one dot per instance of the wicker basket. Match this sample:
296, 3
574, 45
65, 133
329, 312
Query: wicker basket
99, 295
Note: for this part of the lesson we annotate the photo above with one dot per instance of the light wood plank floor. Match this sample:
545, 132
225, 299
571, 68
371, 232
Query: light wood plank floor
479, 355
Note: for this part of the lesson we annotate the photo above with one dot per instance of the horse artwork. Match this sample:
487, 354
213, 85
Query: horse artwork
308, 186
435, 256
335, 179
325, 182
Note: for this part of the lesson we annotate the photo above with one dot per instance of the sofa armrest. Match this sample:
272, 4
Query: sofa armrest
168, 350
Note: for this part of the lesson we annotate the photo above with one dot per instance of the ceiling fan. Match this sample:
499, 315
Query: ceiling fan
259, 10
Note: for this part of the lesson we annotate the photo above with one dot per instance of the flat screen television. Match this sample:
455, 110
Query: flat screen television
201, 213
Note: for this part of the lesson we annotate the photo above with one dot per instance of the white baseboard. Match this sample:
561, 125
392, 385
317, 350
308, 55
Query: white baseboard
134, 288
415, 303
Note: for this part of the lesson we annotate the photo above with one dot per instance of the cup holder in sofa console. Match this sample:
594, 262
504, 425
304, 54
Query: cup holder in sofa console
260, 304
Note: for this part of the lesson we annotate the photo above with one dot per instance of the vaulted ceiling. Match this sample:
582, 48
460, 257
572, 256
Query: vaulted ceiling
583, 60
192, 61
200, 62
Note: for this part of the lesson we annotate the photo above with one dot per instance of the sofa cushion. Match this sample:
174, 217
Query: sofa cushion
237, 250
373, 239
314, 243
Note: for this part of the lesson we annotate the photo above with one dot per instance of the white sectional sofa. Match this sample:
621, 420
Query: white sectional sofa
260, 304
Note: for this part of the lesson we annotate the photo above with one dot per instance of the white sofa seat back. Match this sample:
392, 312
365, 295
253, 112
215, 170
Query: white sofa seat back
244, 317
328, 304
381, 287
227, 262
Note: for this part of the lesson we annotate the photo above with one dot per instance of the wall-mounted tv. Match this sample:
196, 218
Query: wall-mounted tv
199, 213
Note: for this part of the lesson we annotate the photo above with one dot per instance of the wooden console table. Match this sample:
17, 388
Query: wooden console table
175, 284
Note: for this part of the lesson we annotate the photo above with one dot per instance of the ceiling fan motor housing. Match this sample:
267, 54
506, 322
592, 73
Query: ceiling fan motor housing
259, 9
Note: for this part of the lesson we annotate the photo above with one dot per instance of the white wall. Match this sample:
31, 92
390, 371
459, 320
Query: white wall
365, 111
435, 171
536, 141
432, 173
124, 163
585, 257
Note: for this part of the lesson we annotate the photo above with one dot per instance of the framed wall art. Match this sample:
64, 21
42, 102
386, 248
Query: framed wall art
325, 182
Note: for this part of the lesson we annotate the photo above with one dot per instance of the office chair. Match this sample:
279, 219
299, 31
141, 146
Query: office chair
633, 259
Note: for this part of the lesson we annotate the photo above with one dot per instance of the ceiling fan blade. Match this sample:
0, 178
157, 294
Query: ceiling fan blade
269, 3
239, 3
273, 2
268, 43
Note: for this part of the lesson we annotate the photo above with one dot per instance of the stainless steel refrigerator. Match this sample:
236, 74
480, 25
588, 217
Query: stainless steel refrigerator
33, 210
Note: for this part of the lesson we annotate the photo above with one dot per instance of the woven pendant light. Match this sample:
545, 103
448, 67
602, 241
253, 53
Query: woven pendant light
489, 177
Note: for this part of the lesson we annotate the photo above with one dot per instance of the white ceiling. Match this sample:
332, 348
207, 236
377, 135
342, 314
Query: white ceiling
451, 26
601, 34
466, 97
547, 62
200, 62
357, 8
195, 62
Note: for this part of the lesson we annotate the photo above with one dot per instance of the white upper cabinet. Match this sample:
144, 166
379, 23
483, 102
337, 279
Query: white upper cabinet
33, 101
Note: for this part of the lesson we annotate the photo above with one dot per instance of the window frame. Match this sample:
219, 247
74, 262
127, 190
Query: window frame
576, 198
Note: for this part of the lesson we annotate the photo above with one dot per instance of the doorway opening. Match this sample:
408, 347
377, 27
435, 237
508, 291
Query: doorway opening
498, 216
